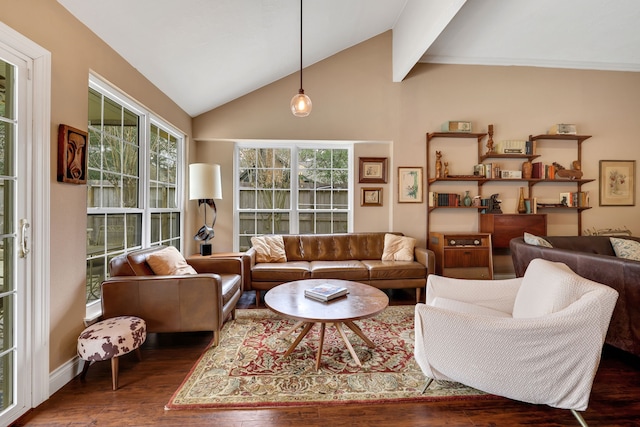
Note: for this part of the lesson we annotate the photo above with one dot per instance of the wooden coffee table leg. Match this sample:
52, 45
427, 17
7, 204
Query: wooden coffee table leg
293, 328
338, 326
356, 329
303, 333
320, 343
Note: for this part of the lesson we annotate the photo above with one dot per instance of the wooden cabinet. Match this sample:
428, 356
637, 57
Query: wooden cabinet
504, 227
463, 255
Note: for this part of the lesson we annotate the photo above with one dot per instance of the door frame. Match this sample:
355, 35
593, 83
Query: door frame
38, 290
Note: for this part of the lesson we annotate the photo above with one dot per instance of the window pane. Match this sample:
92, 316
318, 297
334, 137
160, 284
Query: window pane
267, 179
247, 199
112, 114
125, 207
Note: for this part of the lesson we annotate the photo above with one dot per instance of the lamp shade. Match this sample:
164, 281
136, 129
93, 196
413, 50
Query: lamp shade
204, 181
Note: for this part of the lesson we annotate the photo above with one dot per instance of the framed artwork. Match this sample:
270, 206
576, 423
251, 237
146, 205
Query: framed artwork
72, 155
617, 182
410, 185
373, 170
371, 197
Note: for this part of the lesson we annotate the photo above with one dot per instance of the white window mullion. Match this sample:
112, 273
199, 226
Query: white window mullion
294, 226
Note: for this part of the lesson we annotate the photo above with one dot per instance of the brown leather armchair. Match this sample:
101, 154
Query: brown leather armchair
196, 302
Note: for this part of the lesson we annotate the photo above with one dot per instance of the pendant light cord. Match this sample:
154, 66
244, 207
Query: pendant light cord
301, 90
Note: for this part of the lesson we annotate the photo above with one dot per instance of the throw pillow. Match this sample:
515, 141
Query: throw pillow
398, 248
169, 262
547, 287
269, 248
536, 240
626, 248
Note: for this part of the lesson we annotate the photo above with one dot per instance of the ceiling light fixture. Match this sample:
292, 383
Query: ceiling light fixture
301, 103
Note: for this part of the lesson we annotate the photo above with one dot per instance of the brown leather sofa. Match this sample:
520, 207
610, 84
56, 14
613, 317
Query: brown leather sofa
593, 257
195, 302
349, 256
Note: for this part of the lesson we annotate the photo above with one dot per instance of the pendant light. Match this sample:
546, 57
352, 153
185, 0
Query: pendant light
301, 103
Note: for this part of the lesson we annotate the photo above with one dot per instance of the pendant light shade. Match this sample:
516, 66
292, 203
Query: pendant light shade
301, 103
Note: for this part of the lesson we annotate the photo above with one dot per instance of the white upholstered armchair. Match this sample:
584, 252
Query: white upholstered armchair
536, 339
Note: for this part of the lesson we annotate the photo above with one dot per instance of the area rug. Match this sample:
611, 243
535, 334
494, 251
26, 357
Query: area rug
247, 368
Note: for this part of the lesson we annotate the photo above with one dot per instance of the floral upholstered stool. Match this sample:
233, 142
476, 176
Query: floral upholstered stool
110, 339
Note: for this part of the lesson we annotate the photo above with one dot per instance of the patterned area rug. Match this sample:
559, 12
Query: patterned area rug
247, 369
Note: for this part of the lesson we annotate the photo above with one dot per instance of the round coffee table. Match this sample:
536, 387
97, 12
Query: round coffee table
363, 301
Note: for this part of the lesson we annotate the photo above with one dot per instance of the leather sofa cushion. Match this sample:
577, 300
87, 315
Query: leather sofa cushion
383, 270
589, 244
345, 270
231, 284
334, 247
280, 271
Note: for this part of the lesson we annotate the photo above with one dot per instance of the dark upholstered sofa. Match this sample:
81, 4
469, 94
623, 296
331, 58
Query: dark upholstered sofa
593, 257
173, 303
348, 256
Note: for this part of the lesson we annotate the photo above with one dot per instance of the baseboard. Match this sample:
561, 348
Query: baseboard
65, 373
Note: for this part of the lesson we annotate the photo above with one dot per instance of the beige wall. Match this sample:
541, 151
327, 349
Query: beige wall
354, 99
74, 51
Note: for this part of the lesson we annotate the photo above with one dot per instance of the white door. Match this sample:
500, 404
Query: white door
15, 369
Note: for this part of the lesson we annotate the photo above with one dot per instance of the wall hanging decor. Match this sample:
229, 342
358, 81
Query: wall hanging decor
72, 155
617, 182
373, 170
371, 197
410, 185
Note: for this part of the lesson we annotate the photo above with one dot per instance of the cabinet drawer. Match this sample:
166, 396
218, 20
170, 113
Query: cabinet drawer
468, 273
466, 257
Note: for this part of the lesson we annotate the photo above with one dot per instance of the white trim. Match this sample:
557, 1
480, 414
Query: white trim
528, 62
38, 317
63, 374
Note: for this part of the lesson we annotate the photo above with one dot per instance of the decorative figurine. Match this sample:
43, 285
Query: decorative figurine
490, 140
438, 164
446, 169
494, 204
574, 173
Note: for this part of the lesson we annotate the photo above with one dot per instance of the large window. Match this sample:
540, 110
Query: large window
293, 188
133, 196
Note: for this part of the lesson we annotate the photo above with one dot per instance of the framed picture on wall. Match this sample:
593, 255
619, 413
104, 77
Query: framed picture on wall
410, 185
617, 182
371, 197
373, 170
72, 155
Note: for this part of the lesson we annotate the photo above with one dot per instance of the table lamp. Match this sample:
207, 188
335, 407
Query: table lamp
205, 185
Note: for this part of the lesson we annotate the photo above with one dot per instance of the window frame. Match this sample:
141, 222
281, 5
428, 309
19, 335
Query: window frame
147, 119
294, 211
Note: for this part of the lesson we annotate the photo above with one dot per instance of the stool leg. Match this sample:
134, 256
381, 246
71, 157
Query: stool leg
139, 354
85, 368
114, 372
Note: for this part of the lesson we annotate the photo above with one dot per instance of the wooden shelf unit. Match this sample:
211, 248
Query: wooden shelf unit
481, 181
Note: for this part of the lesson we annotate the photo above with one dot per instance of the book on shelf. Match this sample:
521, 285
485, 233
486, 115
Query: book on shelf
325, 292
575, 199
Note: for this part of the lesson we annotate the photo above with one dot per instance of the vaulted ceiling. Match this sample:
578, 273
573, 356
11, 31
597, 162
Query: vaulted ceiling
205, 53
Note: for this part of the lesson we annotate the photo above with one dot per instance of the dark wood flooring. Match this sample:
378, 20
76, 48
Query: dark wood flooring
145, 387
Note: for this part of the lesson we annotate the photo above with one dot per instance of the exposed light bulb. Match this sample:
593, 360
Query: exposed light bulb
301, 104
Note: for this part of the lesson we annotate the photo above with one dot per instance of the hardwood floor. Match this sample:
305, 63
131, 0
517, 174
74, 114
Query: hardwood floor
145, 387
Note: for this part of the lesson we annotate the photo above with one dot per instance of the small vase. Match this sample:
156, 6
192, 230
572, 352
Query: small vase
521, 206
467, 199
527, 167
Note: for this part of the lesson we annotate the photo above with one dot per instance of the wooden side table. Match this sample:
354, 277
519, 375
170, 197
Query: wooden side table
462, 255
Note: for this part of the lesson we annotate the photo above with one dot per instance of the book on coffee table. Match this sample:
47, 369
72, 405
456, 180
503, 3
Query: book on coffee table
325, 292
